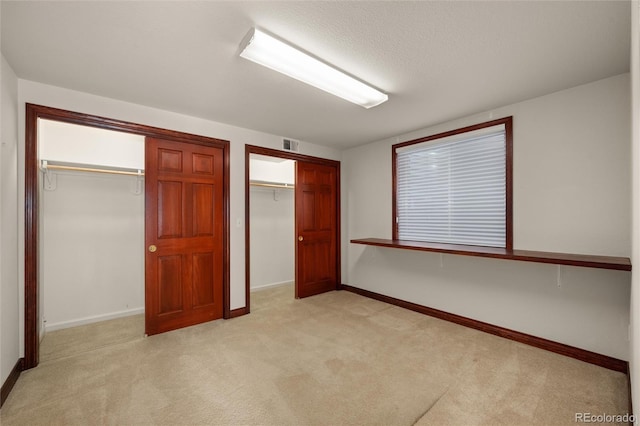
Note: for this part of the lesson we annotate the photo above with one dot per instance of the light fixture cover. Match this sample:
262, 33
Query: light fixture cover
272, 53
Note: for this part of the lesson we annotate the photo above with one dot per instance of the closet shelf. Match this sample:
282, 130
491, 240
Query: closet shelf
46, 166
274, 185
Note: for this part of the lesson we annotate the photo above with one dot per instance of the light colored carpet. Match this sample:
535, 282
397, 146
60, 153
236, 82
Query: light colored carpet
76, 340
333, 359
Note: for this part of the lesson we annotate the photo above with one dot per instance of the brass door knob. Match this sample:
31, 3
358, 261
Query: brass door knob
152, 248
300, 238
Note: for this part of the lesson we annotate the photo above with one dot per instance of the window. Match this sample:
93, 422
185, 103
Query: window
455, 187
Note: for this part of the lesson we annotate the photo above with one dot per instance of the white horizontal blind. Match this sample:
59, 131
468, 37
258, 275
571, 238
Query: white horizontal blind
453, 190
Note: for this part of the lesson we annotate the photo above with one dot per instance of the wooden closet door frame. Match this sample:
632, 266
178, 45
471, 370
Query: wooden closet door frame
288, 155
31, 203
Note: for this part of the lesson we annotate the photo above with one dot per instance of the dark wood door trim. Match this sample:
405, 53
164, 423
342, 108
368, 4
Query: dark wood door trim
31, 284
252, 149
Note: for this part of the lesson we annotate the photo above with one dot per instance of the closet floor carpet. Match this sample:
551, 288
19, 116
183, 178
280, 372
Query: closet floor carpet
76, 340
333, 359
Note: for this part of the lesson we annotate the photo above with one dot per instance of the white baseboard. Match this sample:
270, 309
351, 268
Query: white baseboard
272, 285
88, 320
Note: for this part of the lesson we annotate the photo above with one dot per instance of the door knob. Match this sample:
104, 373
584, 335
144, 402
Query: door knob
300, 238
152, 248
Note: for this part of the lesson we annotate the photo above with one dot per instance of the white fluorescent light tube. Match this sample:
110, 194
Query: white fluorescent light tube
272, 53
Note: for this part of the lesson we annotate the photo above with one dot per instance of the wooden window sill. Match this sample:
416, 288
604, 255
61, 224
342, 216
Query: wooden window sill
588, 261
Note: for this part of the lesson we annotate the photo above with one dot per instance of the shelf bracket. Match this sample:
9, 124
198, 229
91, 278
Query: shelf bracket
50, 181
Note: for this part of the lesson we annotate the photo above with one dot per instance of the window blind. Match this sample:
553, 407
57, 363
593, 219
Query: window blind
453, 190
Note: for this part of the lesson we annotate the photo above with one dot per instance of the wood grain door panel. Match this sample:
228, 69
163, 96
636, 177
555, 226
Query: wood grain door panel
184, 221
203, 280
170, 273
169, 207
203, 208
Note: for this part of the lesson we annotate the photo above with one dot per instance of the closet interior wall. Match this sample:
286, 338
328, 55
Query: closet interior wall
272, 221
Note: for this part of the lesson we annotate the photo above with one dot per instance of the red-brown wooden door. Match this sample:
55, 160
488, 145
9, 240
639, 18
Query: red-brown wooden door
316, 228
184, 234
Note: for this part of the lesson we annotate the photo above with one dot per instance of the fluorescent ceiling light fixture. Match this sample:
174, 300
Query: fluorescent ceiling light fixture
272, 53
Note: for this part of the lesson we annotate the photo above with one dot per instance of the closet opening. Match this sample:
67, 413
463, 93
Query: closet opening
91, 263
272, 224
292, 222
182, 173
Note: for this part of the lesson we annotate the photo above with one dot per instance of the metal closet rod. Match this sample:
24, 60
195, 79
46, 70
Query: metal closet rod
46, 166
273, 185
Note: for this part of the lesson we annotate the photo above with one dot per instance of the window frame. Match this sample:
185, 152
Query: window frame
508, 125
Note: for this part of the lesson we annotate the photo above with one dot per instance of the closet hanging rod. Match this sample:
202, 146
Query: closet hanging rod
46, 166
273, 185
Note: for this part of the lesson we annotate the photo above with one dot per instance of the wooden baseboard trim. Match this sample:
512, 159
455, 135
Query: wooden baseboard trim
549, 345
8, 384
238, 312
629, 388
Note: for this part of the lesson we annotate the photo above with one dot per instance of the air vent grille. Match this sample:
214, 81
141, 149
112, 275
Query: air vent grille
290, 145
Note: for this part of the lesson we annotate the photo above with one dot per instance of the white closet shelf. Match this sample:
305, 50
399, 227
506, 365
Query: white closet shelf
46, 165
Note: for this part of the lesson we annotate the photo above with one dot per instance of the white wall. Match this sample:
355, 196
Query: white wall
272, 237
92, 254
70, 143
42, 94
272, 225
274, 170
9, 314
634, 360
571, 194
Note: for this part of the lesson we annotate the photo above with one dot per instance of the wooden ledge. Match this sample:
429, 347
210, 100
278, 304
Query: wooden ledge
588, 261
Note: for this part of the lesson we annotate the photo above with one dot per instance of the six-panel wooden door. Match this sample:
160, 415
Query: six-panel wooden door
184, 231
316, 228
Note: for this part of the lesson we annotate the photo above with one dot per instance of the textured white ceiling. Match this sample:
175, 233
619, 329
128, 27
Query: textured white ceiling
436, 60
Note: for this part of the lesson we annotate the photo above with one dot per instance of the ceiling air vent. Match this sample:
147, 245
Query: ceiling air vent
290, 145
